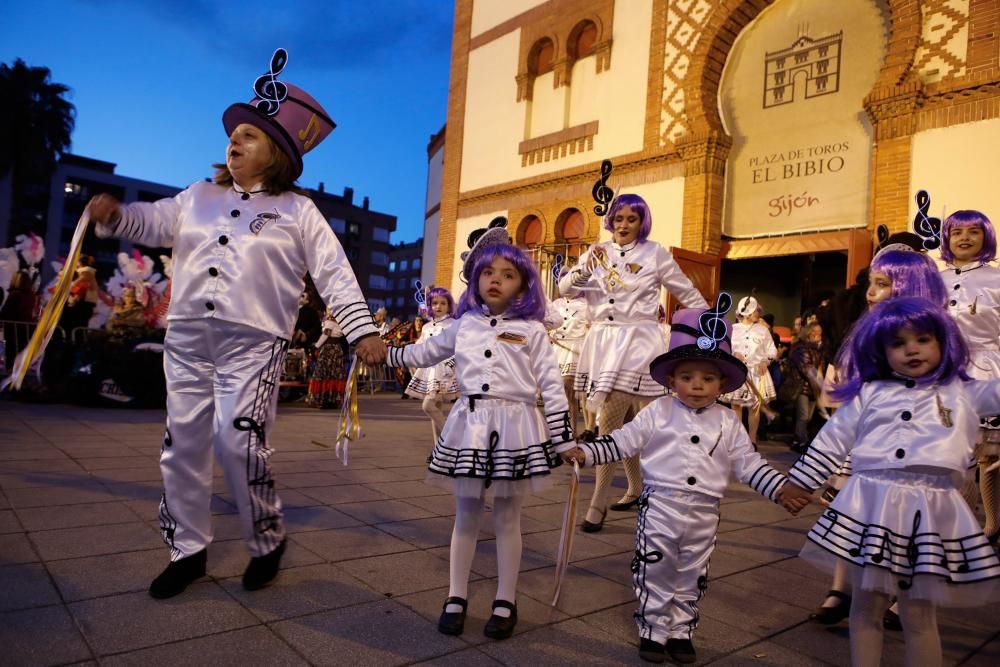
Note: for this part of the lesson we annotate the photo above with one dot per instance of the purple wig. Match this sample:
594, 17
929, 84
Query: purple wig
530, 305
440, 291
969, 218
863, 358
912, 274
637, 204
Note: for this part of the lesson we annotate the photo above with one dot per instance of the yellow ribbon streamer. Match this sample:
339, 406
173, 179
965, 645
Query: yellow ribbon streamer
350, 420
568, 530
49, 321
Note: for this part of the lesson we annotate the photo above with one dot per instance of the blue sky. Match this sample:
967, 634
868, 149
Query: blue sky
150, 81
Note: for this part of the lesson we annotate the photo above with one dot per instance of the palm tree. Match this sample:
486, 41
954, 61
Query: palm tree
36, 122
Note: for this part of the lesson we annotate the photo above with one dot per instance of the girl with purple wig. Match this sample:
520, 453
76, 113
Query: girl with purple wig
909, 423
968, 243
436, 385
496, 437
893, 273
621, 280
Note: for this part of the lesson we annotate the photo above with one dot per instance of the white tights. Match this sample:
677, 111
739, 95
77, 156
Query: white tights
920, 631
507, 526
432, 408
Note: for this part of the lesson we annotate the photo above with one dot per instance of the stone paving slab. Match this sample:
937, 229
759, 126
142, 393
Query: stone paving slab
366, 570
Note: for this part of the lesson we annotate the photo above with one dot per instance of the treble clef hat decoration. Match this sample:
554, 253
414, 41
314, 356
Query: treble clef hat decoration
602, 193
493, 234
699, 334
557, 267
293, 119
927, 227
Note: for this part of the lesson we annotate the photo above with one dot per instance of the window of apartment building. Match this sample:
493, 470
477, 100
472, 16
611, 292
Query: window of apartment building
376, 282
354, 229
379, 258
416, 262
392, 265
380, 234
404, 265
352, 254
337, 225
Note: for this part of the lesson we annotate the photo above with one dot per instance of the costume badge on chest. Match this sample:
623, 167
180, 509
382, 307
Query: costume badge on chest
258, 223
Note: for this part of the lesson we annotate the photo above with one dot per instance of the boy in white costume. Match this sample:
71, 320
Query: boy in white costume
688, 445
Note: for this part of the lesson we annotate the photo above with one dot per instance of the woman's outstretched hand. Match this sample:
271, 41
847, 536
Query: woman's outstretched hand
371, 350
104, 209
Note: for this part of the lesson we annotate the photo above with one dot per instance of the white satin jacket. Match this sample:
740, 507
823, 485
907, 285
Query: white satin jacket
688, 449
499, 358
895, 424
242, 257
633, 294
574, 319
974, 302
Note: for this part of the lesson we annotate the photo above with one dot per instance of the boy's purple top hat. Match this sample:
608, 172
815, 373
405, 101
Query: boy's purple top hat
289, 115
698, 334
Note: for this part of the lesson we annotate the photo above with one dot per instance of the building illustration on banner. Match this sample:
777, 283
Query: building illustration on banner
818, 60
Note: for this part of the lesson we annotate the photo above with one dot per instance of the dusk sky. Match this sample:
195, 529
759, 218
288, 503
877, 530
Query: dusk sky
150, 81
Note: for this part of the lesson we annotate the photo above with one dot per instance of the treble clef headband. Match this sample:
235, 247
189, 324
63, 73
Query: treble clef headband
927, 227
419, 295
557, 267
603, 194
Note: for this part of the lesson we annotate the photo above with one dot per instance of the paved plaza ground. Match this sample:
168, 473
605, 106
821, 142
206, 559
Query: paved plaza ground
366, 570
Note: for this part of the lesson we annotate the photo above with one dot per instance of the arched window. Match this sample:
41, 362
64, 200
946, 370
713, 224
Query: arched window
582, 40
529, 232
542, 55
570, 225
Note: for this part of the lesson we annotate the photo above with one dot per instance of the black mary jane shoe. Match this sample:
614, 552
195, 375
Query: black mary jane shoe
589, 527
176, 577
624, 505
501, 627
452, 623
263, 569
836, 613
681, 650
651, 651
891, 621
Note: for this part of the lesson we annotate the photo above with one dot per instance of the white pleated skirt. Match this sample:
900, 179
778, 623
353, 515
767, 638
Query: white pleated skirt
568, 355
910, 532
493, 444
616, 358
439, 380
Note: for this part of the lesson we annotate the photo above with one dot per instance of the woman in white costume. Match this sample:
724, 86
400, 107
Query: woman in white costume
242, 246
621, 281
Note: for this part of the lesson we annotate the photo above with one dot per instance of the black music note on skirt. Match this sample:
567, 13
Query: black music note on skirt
267, 87
603, 195
713, 323
928, 228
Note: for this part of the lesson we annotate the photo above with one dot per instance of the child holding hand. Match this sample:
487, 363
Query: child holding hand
909, 422
688, 444
495, 438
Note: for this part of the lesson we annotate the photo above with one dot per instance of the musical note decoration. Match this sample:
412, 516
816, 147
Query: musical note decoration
267, 87
944, 413
713, 323
419, 294
557, 267
912, 552
603, 194
928, 228
882, 233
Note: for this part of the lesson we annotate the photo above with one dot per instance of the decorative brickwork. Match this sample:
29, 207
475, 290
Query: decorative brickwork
559, 144
944, 40
684, 22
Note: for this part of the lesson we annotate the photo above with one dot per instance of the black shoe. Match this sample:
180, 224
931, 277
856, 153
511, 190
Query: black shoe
178, 575
452, 623
500, 627
681, 650
836, 613
890, 621
589, 527
625, 505
263, 569
651, 651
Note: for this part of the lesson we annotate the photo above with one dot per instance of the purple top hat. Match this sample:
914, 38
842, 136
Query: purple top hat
697, 334
291, 117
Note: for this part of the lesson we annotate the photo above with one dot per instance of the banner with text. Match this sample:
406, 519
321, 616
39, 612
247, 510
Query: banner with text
791, 97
